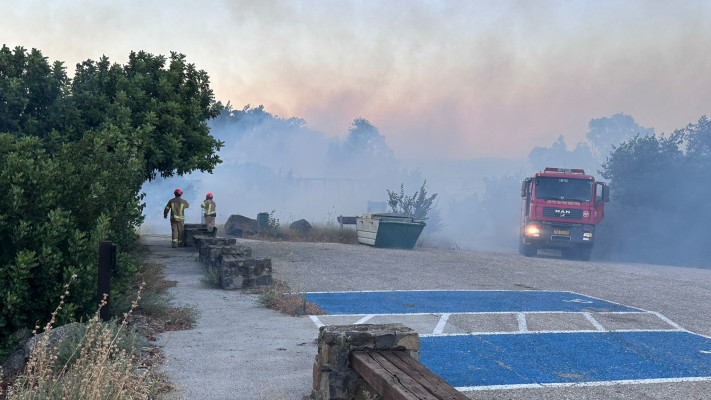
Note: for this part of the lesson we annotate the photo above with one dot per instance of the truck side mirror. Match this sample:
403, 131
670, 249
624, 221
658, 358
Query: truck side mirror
524, 187
605, 193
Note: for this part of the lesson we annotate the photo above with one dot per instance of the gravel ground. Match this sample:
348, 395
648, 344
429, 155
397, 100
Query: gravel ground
239, 350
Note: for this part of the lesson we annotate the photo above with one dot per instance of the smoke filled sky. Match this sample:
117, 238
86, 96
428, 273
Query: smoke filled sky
440, 79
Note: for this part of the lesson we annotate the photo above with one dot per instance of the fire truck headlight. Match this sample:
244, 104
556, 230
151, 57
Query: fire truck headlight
533, 230
587, 234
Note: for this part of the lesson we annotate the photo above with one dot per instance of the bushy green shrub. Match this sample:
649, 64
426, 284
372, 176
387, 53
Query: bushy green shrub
74, 154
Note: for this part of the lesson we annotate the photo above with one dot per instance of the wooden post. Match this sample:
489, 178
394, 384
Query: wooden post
107, 264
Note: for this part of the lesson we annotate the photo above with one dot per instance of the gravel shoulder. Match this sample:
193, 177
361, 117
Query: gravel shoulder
241, 350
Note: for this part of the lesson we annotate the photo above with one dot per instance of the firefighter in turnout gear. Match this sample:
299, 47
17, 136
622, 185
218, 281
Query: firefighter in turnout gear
176, 206
208, 207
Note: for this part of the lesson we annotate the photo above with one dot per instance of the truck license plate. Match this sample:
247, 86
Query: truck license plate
557, 232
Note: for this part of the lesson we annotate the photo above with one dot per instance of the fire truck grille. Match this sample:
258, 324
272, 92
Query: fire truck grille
559, 212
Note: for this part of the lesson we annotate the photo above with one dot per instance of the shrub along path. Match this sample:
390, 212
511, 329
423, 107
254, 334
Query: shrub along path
238, 349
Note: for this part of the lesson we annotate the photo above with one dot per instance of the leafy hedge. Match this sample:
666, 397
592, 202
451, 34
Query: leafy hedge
74, 154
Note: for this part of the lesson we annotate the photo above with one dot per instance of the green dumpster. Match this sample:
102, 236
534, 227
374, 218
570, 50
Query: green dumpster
388, 230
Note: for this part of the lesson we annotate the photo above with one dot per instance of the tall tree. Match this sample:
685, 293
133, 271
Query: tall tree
660, 189
74, 154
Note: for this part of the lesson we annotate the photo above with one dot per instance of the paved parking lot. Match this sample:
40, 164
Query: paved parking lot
501, 340
241, 350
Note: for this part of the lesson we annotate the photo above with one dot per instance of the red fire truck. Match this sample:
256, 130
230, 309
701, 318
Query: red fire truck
560, 210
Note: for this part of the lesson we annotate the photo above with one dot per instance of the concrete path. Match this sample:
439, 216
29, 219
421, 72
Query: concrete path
238, 349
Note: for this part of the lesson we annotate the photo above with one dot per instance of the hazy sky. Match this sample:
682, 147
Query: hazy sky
439, 79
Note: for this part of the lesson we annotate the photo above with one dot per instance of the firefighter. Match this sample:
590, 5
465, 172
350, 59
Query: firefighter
176, 206
208, 207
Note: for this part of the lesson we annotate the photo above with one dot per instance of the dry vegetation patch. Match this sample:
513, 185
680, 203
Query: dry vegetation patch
279, 296
155, 313
104, 360
318, 233
93, 360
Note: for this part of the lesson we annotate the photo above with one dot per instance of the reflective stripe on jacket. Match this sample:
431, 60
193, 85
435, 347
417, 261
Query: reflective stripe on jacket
176, 206
209, 206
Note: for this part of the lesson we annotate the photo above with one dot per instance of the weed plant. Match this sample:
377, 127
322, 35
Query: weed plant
211, 277
279, 296
156, 301
95, 364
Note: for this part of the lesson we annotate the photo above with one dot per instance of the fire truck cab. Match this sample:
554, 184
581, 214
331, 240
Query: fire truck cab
560, 209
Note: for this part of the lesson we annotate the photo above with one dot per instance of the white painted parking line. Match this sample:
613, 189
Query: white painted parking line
522, 323
481, 313
364, 319
316, 321
440, 325
423, 335
582, 384
505, 337
594, 322
667, 320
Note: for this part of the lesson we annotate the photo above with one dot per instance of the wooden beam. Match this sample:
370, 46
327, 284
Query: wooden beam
428, 379
397, 376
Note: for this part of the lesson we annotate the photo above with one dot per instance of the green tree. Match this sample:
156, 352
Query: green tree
364, 150
660, 193
74, 154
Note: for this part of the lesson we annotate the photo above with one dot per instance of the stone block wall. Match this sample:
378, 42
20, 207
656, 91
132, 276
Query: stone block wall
333, 377
238, 272
210, 254
192, 230
203, 241
233, 264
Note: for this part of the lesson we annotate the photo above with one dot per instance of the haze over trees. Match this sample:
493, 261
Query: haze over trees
603, 134
74, 153
274, 163
660, 190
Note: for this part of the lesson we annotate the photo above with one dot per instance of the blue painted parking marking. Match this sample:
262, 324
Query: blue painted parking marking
519, 360
505, 359
464, 301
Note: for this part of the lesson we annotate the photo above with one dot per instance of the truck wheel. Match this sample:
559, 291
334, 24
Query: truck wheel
527, 250
530, 251
584, 252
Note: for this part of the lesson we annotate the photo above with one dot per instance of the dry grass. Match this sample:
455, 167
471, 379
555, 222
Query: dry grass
318, 233
97, 366
211, 277
105, 360
155, 313
279, 296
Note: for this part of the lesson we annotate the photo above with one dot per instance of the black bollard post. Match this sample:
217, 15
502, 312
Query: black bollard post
107, 264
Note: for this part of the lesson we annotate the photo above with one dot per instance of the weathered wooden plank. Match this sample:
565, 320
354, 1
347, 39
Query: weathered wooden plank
428, 379
387, 379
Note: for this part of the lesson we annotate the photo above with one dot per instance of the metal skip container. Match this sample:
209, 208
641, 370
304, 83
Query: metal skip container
388, 230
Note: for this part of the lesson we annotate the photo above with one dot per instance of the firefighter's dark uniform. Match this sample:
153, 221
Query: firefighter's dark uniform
176, 206
209, 209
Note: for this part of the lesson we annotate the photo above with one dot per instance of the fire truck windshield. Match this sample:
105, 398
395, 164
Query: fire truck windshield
570, 189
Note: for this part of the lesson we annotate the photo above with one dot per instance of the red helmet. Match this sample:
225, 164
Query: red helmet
178, 192
209, 195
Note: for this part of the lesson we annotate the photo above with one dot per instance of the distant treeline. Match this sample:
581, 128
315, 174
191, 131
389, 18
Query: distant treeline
74, 154
661, 187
